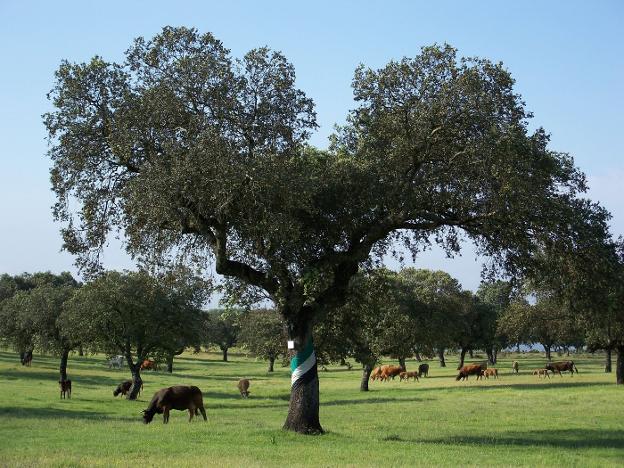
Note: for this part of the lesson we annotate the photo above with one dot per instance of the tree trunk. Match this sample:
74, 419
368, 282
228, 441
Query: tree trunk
225, 350
495, 354
136, 381
608, 360
547, 350
271, 363
518, 348
303, 409
462, 356
63, 367
366, 372
490, 356
441, 357
80, 351
619, 366
470, 353
170, 363
402, 363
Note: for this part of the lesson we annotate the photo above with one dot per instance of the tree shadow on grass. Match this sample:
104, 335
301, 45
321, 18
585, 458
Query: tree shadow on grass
373, 401
556, 438
544, 385
53, 377
56, 413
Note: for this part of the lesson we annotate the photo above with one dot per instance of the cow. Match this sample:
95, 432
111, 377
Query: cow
375, 373
389, 371
514, 367
406, 376
243, 388
116, 362
423, 369
178, 397
490, 371
124, 387
66, 388
561, 366
26, 358
470, 369
148, 364
540, 372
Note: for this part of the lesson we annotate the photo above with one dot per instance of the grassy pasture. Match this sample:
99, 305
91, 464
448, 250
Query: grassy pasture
516, 420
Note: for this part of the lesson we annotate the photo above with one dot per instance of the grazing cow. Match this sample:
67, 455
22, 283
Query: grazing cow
243, 388
390, 371
124, 387
470, 369
178, 397
514, 367
65, 386
26, 358
423, 369
540, 372
561, 366
148, 364
406, 376
490, 371
116, 362
375, 373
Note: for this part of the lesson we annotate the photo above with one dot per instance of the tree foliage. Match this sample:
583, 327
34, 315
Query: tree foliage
263, 333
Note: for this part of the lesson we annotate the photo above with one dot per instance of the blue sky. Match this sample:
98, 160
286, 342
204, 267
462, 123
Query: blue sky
566, 56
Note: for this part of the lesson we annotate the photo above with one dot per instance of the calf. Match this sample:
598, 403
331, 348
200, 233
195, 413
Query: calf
514, 367
178, 397
66, 389
124, 387
243, 388
562, 366
490, 371
423, 369
116, 361
540, 372
406, 376
470, 369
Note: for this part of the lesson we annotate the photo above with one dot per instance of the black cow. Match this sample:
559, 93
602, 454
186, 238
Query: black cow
423, 369
178, 397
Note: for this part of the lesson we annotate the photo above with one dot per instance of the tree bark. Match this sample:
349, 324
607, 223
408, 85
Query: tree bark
271, 363
402, 363
495, 354
170, 363
462, 357
471, 354
225, 357
366, 372
63, 366
136, 381
80, 351
619, 366
303, 408
441, 357
490, 356
547, 350
418, 357
608, 360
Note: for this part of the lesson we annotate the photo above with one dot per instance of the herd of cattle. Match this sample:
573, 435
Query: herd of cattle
182, 397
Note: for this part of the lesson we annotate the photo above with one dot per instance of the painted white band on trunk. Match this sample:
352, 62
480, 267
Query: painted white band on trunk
303, 368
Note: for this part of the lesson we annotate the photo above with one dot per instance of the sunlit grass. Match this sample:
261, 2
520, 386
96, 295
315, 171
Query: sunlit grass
515, 420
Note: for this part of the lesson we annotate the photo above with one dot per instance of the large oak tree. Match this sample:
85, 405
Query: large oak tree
191, 152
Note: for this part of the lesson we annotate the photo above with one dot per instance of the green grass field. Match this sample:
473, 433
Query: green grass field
516, 420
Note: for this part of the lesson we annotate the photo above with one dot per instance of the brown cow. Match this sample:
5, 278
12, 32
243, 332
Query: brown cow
562, 366
490, 371
423, 369
388, 371
148, 364
178, 397
375, 373
406, 376
470, 369
514, 367
540, 372
124, 388
66, 389
243, 388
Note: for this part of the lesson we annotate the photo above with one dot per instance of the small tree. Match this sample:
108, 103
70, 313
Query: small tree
133, 314
263, 332
223, 330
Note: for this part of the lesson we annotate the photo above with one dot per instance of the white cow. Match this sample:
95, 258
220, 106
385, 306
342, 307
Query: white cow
116, 361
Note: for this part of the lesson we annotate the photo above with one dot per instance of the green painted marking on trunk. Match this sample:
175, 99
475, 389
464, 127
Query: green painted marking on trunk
302, 355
